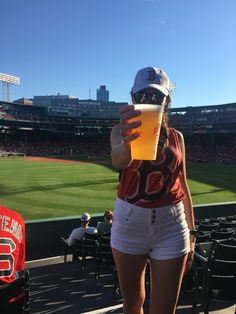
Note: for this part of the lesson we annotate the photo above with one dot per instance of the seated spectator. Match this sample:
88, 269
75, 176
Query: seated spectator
105, 226
78, 233
12, 245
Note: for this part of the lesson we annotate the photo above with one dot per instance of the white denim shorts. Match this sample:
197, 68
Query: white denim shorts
161, 232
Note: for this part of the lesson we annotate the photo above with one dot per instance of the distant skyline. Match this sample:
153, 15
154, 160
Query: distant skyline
72, 47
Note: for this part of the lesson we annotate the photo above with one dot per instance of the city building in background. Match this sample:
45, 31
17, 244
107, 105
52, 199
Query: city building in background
102, 93
23, 101
65, 105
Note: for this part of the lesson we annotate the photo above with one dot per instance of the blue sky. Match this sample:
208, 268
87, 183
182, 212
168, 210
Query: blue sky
73, 46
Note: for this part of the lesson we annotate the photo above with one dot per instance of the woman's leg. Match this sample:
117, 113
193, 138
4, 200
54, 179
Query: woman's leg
166, 279
131, 274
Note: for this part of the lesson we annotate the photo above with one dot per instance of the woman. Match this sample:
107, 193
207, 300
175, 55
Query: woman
105, 226
153, 211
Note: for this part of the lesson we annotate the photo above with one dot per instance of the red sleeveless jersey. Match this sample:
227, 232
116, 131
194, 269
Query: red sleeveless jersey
12, 244
154, 183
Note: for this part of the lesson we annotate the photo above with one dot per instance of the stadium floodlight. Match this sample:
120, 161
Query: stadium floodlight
7, 80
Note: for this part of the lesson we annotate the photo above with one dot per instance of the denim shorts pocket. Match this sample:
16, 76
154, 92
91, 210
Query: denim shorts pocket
177, 213
122, 215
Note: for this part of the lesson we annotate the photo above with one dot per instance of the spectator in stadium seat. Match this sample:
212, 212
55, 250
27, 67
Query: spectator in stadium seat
78, 233
153, 213
12, 245
105, 226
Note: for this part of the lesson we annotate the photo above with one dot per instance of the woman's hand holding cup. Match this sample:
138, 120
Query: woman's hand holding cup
126, 114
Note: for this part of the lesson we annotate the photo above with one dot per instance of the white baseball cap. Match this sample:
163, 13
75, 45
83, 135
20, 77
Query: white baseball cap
151, 77
85, 217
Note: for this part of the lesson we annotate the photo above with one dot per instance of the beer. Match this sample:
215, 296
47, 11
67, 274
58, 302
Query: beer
145, 146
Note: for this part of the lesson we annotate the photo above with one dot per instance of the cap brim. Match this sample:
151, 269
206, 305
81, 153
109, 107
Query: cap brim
156, 86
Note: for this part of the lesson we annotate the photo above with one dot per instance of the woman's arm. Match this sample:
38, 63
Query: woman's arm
121, 137
188, 205
120, 150
188, 199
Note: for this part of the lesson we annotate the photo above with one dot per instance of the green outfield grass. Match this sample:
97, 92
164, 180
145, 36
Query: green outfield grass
46, 189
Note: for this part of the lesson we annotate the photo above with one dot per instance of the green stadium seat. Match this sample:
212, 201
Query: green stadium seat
14, 297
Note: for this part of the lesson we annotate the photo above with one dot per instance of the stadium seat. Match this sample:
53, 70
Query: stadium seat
222, 234
14, 297
227, 249
203, 236
216, 277
90, 243
103, 255
231, 218
228, 224
67, 248
208, 227
217, 219
202, 221
204, 248
106, 234
75, 250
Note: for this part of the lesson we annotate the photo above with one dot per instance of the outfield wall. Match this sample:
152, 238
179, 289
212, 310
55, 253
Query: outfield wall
43, 236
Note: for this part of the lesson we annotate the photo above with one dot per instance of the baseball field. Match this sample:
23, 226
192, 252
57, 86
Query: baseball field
46, 188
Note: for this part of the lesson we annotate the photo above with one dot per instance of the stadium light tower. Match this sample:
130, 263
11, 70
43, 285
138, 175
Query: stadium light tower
7, 80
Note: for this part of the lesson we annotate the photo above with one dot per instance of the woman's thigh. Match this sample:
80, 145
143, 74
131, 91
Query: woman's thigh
131, 273
166, 279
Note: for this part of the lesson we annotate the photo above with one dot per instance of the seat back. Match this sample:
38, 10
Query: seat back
204, 237
104, 248
77, 249
208, 226
228, 224
224, 287
218, 234
231, 242
224, 268
231, 218
204, 249
91, 236
222, 265
104, 255
105, 240
106, 234
217, 219
14, 297
226, 250
216, 276
67, 248
90, 242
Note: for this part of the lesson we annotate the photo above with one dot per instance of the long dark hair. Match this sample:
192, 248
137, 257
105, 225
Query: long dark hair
164, 134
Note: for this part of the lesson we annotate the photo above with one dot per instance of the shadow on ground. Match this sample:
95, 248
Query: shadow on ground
66, 288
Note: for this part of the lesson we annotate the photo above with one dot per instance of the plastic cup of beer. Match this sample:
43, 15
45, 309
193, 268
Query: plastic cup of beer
145, 146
